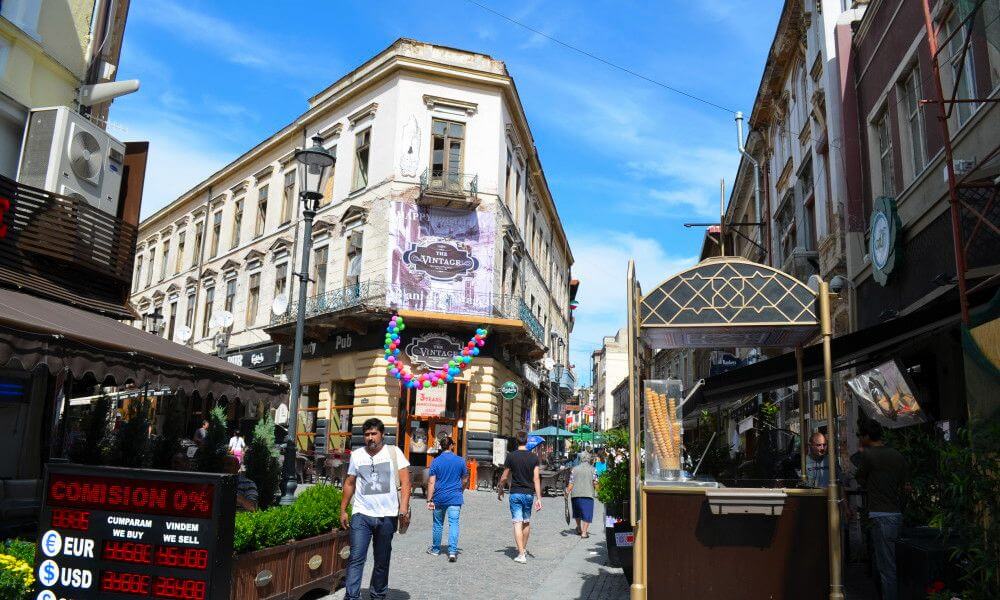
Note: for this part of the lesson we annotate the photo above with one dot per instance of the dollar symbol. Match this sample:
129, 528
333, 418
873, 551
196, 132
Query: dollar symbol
50, 572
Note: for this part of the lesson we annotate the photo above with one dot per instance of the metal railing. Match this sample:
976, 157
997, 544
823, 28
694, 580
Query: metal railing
377, 294
456, 184
564, 378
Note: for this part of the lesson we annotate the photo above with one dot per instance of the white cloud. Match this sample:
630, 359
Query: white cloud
601, 266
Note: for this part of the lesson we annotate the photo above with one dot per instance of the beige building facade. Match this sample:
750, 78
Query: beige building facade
437, 209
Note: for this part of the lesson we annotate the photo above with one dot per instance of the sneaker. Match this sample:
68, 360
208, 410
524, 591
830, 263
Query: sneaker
452, 557
521, 558
434, 551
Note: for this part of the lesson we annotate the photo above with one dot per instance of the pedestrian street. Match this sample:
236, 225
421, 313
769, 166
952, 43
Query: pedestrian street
560, 564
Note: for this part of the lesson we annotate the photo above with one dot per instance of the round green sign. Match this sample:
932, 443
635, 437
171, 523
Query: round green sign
508, 390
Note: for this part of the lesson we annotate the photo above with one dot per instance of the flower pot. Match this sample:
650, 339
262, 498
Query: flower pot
290, 571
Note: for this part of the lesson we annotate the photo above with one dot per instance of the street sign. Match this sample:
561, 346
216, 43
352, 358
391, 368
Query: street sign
105, 531
508, 390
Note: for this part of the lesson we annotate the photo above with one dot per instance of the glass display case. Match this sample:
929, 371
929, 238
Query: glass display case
664, 430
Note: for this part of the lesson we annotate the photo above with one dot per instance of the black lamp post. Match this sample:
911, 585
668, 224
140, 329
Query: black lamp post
312, 165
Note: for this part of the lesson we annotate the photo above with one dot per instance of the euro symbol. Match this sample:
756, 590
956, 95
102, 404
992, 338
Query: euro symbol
51, 543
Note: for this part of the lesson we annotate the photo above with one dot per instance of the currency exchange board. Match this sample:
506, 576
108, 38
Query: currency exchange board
107, 532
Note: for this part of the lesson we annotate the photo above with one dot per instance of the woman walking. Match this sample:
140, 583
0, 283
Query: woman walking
237, 446
581, 490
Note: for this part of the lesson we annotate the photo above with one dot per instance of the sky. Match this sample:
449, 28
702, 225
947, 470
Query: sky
628, 161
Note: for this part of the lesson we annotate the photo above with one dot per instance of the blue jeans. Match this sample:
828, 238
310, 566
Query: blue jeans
885, 532
453, 512
364, 530
520, 507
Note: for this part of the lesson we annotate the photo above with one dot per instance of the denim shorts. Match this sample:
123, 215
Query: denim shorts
520, 507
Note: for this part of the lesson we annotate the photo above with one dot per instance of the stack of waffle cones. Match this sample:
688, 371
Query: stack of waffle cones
661, 420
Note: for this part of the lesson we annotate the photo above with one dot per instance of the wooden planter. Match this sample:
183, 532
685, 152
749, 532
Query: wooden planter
290, 571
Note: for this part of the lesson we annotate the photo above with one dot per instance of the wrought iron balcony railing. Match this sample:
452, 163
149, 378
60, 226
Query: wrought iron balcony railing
453, 184
564, 378
375, 295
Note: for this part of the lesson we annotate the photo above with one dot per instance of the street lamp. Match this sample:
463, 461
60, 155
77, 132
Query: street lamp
312, 165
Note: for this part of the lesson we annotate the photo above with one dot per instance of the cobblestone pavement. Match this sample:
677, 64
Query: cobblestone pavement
560, 565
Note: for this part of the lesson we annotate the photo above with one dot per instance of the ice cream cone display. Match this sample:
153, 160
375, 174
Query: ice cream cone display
663, 429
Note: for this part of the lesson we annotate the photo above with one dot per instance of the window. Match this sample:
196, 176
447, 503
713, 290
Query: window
280, 279
803, 97
179, 257
164, 255
884, 139
189, 310
354, 243
172, 320
808, 198
230, 295
362, 142
914, 124
961, 70
253, 298
261, 212
447, 153
237, 224
206, 310
199, 236
785, 219
320, 256
216, 233
328, 185
152, 262
288, 197
506, 185
138, 273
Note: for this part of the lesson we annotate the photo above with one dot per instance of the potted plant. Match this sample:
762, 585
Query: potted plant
285, 552
17, 579
613, 492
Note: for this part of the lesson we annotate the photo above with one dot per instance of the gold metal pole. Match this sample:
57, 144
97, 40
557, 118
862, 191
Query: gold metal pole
832, 493
636, 514
803, 434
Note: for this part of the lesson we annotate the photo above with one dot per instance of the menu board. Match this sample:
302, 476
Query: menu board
108, 532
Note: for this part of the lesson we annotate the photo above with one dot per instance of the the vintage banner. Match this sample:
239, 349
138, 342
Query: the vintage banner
442, 259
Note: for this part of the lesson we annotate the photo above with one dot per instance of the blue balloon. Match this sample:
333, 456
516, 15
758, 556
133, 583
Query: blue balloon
449, 378
394, 336
466, 359
475, 351
395, 352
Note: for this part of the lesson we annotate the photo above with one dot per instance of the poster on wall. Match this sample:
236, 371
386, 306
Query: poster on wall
886, 396
431, 401
442, 259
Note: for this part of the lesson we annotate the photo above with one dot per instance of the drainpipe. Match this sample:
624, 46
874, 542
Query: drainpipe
756, 174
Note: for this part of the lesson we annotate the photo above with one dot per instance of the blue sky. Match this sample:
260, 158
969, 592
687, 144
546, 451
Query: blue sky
627, 161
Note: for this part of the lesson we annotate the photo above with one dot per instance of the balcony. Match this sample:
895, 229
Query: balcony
801, 263
451, 190
564, 379
355, 305
64, 249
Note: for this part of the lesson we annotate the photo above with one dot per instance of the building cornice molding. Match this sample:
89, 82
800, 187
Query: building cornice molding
331, 131
436, 102
362, 114
262, 174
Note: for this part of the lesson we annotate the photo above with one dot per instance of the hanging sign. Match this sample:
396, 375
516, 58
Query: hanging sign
508, 390
431, 401
433, 350
105, 531
883, 245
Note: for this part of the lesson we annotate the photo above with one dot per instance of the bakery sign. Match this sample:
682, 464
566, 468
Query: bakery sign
433, 350
441, 260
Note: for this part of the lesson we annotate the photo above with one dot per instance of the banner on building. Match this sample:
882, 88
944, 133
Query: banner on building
442, 259
431, 401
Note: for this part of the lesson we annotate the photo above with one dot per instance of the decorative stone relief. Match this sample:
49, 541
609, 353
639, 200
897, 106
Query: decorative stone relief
409, 158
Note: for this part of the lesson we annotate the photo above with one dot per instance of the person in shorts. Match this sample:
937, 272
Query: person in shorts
521, 469
446, 482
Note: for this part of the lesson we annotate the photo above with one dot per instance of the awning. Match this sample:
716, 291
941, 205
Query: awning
552, 431
859, 349
34, 332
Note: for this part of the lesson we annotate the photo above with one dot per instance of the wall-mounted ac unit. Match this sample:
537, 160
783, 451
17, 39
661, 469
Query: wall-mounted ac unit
63, 152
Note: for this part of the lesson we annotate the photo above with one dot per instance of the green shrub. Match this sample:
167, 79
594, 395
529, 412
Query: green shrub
210, 458
17, 579
262, 462
315, 511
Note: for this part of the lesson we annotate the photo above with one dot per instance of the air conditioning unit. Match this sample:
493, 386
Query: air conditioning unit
63, 152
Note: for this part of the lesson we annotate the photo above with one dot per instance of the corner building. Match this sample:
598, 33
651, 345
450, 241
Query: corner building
437, 208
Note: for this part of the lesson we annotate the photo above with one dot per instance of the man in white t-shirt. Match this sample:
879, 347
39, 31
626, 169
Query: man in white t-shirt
377, 508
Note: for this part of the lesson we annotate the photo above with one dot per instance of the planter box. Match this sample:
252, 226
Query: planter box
292, 570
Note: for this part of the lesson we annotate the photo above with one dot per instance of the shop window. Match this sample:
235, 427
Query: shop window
305, 426
341, 415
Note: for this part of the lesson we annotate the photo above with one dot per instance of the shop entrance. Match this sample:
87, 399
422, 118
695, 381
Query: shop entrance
429, 415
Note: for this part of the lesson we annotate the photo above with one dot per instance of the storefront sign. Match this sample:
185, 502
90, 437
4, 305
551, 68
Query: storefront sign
441, 259
433, 350
724, 361
431, 401
509, 390
105, 531
260, 358
532, 376
883, 245
746, 425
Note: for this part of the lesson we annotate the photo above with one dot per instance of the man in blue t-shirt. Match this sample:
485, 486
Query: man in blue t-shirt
446, 482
